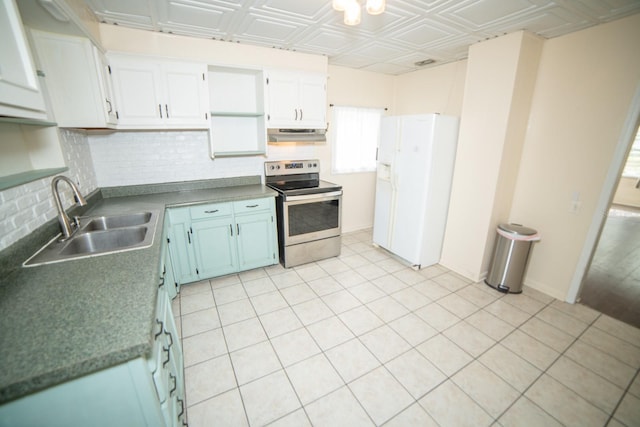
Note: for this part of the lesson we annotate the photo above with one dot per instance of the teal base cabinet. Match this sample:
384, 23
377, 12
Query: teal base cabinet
141, 392
215, 239
215, 247
255, 234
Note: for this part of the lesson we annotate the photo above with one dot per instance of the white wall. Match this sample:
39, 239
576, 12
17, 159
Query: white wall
26, 207
434, 90
499, 82
585, 85
360, 89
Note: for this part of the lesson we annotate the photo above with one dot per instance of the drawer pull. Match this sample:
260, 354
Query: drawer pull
213, 211
252, 206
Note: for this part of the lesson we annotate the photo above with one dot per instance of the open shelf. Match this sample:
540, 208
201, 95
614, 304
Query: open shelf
237, 124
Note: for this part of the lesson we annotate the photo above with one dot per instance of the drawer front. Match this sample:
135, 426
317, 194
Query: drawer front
212, 210
252, 205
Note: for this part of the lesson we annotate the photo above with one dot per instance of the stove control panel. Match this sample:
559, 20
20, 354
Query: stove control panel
291, 167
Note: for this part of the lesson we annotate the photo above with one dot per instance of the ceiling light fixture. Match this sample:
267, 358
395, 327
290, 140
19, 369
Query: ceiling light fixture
353, 11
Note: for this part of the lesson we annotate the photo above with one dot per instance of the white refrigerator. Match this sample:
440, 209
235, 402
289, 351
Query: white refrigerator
416, 156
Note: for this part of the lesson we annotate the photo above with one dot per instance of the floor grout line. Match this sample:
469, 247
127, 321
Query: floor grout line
336, 314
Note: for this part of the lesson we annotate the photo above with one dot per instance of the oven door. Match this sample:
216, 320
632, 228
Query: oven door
312, 217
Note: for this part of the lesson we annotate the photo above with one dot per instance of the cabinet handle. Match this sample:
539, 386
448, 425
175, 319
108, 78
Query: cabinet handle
168, 350
181, 403
166, 109
159, 322
251, 206
170, 337
160, 109
301, 114
175, 384
161, 282
213, 211
238, 229
231, 229
296, 114
110, 106
189, 237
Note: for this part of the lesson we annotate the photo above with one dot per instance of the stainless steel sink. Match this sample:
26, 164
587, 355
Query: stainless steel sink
114, 221
104, 241
100, 235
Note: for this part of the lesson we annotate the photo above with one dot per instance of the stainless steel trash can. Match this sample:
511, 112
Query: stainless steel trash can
510, 256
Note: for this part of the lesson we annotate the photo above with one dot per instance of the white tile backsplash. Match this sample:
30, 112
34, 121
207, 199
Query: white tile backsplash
26, 207
133, 158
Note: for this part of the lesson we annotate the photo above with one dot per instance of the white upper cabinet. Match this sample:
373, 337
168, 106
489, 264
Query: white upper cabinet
106, 87
157, 94
296, 100
77, 80
20, 94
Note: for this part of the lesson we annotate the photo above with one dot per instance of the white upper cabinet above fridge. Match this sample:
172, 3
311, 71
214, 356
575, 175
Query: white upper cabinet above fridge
160, 94
20, 94
296, 100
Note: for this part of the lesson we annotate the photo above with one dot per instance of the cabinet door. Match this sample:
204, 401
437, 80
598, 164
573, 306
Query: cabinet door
137, 89
180, 246
282, 88
20, 94
215, 246
169, 280
106, 87
256, 236
72, 79
185, 95
313, 101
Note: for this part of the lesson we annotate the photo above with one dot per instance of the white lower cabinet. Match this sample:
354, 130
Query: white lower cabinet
142, 392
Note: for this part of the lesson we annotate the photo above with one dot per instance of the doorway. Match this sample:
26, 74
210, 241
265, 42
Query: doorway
612, 283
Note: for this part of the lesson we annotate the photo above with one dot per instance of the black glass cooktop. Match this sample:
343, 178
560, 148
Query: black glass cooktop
300, 187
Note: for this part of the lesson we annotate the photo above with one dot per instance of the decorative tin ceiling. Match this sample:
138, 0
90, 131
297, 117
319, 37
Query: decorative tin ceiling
407, 32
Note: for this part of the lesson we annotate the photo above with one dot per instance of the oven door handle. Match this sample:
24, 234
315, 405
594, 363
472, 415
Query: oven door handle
316, 196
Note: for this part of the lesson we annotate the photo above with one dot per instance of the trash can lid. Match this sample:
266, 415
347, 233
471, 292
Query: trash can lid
517, 229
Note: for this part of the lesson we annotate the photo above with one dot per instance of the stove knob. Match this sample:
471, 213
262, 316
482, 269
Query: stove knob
315, 165
278, 167
272, 167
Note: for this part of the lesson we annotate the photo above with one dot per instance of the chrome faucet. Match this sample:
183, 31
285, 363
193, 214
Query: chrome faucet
63, 218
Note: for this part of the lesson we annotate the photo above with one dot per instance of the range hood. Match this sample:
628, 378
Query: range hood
297, 135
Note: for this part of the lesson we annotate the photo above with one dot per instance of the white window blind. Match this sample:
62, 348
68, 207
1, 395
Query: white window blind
355, 138
632, 167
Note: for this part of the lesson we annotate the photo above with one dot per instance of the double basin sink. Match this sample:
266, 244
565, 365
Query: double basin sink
100, 235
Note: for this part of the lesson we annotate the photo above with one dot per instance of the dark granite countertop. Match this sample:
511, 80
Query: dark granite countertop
64, 320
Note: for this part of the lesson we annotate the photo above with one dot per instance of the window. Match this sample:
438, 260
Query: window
355, 139
632, 167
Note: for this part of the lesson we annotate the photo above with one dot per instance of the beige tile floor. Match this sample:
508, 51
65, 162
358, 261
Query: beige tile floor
364, 340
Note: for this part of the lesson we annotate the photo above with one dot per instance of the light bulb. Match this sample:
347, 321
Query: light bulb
339, 5
352, 13
375, 7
